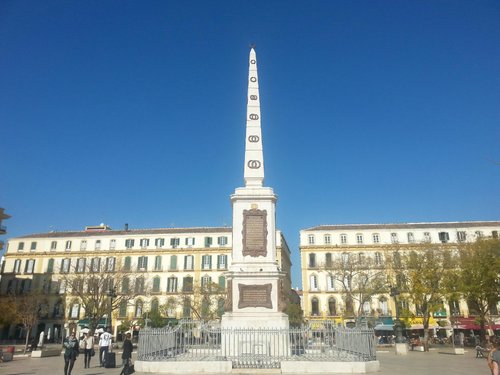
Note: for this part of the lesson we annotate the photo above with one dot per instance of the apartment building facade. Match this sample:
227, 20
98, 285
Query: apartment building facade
170, 261
323, 295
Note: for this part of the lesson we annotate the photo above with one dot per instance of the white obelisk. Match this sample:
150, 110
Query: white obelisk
255, 295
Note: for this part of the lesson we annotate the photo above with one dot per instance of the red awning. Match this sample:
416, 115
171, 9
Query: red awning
471, 324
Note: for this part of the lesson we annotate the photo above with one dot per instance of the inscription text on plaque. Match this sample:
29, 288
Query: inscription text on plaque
255, 232
255, 296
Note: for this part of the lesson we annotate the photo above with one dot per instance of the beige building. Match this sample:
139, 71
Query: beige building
3, 229
172, 261
323, 295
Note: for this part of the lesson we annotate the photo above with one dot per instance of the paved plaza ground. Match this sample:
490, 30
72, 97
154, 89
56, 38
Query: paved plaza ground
436, 362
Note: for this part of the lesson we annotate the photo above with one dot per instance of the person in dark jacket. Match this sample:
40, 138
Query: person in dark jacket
71, 351
126, 355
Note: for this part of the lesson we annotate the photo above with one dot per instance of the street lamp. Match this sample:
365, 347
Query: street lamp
454, 322
111, 294
398, 326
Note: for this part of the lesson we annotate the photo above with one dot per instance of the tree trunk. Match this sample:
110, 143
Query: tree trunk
482, 324
426, 334
27, 339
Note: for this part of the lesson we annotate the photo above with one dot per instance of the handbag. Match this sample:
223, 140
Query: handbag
131, 369
92, 352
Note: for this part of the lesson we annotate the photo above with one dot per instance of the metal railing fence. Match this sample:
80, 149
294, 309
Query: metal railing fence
201, 341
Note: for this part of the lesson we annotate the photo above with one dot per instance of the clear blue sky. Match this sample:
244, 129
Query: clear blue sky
134, 111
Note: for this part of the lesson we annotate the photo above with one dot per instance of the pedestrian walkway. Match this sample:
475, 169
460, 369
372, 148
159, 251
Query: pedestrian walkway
435, 362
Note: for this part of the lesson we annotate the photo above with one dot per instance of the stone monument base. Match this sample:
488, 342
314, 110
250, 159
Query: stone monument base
248, 320
225, 367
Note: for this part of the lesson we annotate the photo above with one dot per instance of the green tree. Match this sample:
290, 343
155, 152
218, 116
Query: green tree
360, 279
295, 314
100, 294
420, 276
202, 302
26, 309
479, 278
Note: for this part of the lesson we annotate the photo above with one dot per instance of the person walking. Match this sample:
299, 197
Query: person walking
88, 349
127, 355
494, 358
104, 344
71, 351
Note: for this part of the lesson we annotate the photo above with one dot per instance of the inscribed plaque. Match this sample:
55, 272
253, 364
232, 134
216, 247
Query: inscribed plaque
255, 296
254, 232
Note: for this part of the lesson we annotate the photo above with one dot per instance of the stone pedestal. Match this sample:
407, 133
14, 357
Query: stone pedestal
459, 351
401, 349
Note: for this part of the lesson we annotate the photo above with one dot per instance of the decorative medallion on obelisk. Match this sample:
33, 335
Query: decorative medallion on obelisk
255, 233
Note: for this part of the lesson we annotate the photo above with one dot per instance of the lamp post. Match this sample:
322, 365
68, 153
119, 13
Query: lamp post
454, 322
398, 327
111, 294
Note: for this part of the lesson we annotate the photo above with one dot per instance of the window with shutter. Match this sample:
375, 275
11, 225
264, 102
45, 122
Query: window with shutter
314, 283
50, 266
173, 263
123, 309
330, 282
444, 237
221, 262
17, 266
65, 265
312, 260
96, 264
206, 281
222, 241
172, 285
158, 263
222, 282
127, 264
110, 264
187, 284
206, 262
142, 264
156, 284
30, 265
80, 265
328, 260
125, 285
208, 241
188, 262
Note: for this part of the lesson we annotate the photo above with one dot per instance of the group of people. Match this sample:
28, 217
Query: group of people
72, 350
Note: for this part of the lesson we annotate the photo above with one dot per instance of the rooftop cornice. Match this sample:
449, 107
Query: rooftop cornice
130, 232
423, 225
